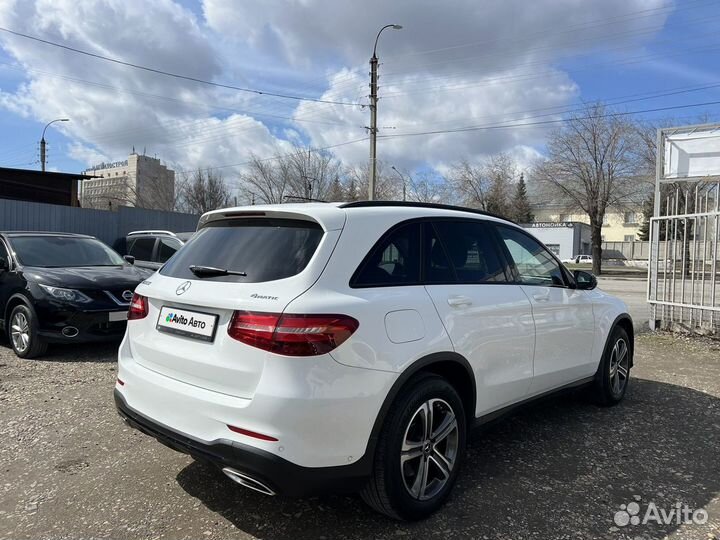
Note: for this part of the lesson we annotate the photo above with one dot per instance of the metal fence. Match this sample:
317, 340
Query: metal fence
684, 268
109, 226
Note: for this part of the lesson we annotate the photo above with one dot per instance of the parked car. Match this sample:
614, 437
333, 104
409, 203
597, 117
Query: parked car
579, 259
62, 288
351, 347
152, 249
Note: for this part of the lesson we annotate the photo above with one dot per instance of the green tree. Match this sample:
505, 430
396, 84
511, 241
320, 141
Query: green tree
648, 211
520, 211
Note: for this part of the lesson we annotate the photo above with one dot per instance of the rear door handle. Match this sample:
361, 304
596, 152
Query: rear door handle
539, 297
459, 301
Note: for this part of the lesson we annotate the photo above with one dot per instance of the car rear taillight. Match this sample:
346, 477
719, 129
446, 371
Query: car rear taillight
291, 335
138, 307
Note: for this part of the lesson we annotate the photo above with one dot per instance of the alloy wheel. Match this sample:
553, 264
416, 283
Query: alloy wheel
429, 449
20, 332
619, 367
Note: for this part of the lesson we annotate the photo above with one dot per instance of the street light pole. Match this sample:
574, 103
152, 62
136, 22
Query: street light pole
373, 112
402, 177
42, 141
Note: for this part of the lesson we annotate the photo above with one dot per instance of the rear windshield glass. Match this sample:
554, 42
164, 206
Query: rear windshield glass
264, 249
63, 251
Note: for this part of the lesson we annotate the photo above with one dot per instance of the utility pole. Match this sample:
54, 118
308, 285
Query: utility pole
373, 127
42, 141
373, 113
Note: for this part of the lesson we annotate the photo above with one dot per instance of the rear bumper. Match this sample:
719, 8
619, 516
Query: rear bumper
280, 475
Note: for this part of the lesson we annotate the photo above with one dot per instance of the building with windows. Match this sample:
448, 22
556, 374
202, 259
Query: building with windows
565, 239
140, 181
619, 225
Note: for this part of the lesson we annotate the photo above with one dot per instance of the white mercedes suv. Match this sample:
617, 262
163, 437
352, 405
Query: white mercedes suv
316, 347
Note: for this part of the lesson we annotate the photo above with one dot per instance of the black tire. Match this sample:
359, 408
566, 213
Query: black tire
387, 490
33, 346
610, 384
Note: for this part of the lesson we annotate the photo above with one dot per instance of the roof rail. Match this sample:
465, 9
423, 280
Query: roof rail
410, 204
134, 233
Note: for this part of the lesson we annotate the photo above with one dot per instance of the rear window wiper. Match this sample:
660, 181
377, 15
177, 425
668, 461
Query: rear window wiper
208, 271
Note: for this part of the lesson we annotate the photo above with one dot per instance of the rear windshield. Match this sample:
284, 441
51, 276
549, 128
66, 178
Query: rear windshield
63, 251
265, 249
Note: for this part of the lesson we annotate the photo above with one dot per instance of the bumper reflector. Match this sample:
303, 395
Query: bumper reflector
253, 434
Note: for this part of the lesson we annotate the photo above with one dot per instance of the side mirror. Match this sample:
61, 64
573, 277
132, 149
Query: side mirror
4, 264
585, 280
129, 258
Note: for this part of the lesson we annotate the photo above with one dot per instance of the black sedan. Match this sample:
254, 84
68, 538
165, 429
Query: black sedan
62, 288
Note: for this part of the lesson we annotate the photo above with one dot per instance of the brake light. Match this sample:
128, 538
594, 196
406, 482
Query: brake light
291, 335
138, 307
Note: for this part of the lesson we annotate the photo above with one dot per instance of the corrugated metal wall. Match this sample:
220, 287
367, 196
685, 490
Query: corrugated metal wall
110, 227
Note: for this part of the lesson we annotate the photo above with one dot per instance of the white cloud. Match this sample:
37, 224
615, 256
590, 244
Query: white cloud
508, 68
453, 64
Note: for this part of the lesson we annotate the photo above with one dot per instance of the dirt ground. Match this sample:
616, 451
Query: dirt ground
562, 469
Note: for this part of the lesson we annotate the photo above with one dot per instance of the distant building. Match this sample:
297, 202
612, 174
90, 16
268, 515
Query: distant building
140, 181
618, 226
38, 186
565, 239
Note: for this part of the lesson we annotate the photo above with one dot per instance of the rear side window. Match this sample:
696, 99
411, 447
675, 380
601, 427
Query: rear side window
393, 261
465, 253
166, 249
142, 249
265, 249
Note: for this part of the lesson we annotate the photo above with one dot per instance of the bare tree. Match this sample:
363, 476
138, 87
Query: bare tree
592, 164
488, 185
203, 191
387, 186
502, 172
470, 184
303, 174
427, 188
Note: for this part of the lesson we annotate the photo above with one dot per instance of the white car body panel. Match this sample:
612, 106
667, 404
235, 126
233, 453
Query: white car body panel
496, 333
565, 332
322, 409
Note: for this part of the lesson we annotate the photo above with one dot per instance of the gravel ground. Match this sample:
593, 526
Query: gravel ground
562, 469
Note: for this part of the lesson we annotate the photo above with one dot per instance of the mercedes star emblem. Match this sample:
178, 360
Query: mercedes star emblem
183, 287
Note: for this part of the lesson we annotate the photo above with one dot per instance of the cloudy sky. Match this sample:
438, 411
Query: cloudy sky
455, 64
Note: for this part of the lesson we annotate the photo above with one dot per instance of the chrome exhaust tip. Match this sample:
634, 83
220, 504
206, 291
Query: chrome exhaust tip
246, 481
70, 331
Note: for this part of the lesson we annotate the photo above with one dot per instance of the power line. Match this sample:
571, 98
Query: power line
175, 75
321, 149
598, 23
546, 122
531, 75
549, 54
611, 101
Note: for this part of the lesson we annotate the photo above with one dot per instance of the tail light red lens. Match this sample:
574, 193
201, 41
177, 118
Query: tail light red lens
138, 307
291, 335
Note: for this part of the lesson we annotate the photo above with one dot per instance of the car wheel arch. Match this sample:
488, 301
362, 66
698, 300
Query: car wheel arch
450, 365
15, 300
624, 321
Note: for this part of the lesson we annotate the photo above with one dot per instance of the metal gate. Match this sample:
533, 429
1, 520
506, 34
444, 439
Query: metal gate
683, 271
